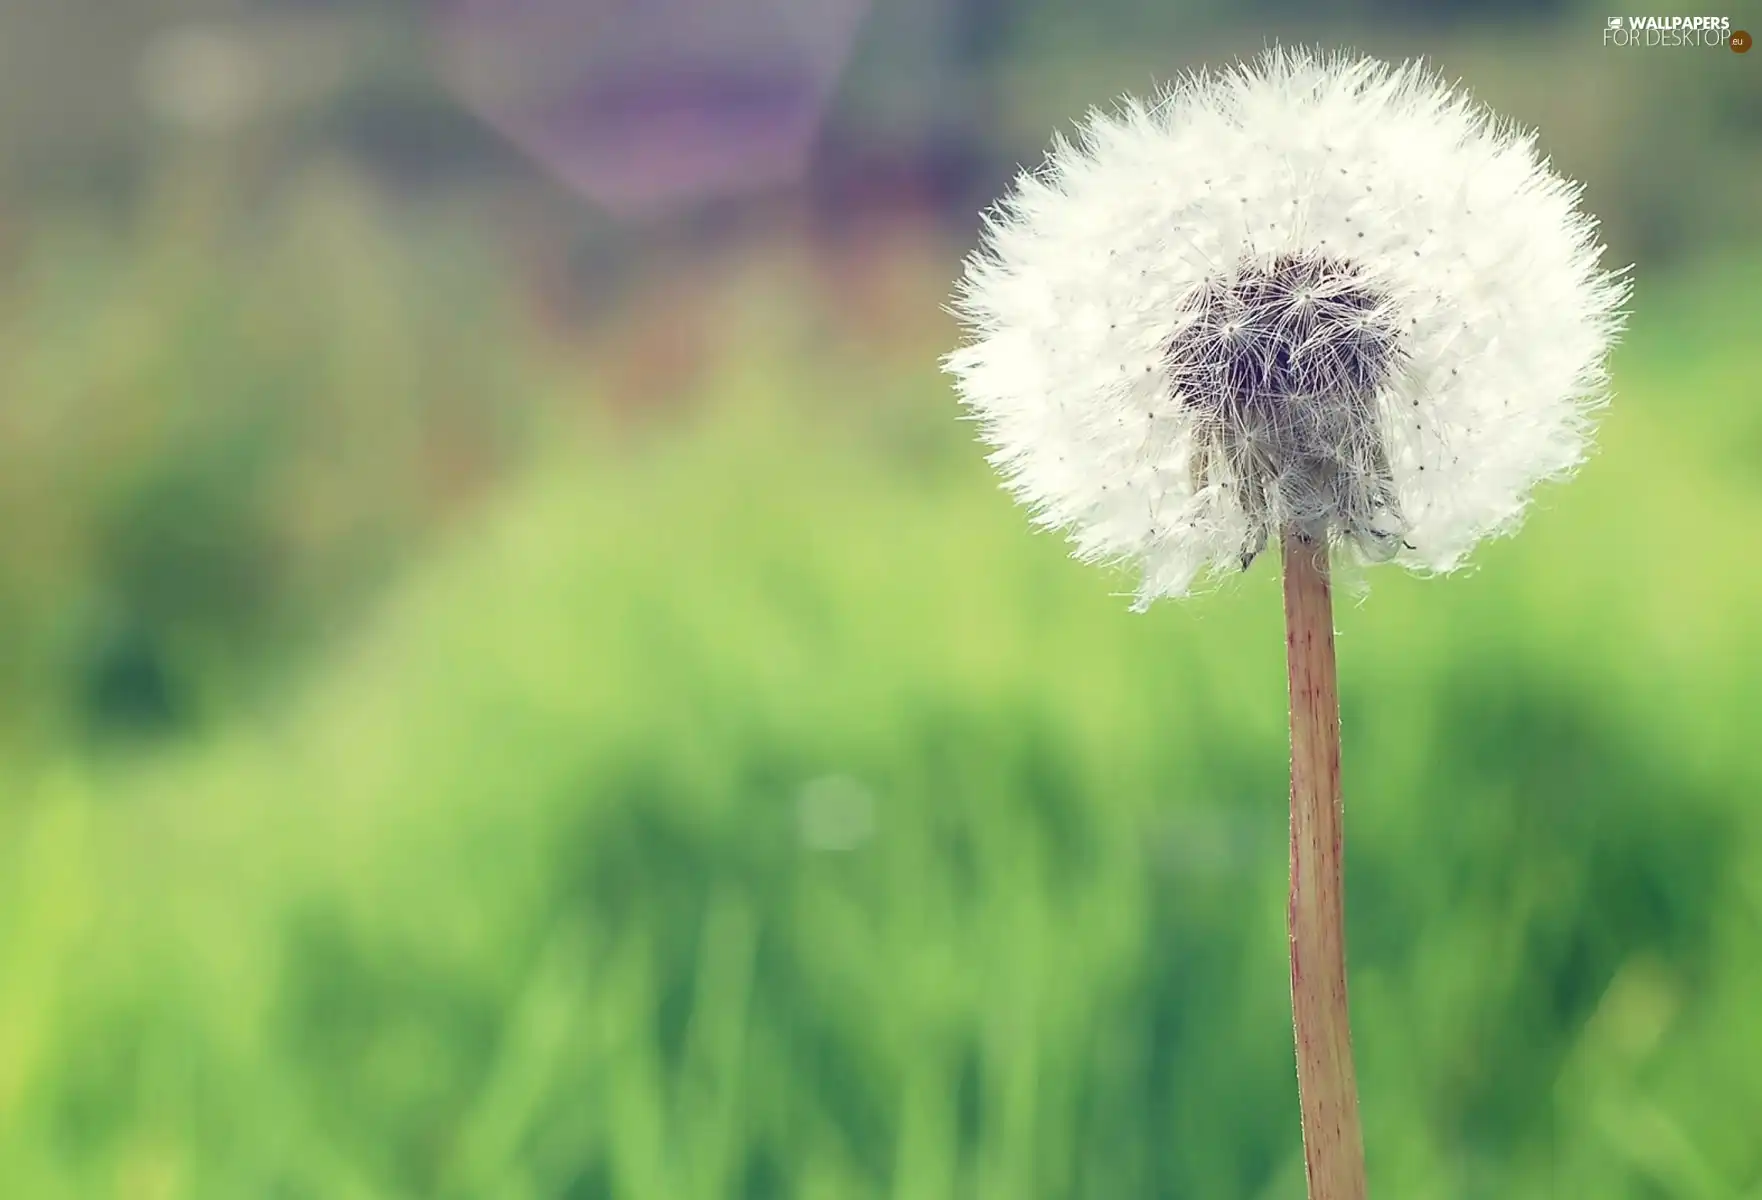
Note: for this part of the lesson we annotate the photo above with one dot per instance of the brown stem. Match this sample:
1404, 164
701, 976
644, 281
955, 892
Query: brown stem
1333, 1145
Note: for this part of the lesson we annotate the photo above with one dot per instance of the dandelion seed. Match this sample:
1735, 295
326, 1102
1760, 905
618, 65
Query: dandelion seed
1058, 277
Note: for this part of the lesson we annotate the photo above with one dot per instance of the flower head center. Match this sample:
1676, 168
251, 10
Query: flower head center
1280, 365
1297, 331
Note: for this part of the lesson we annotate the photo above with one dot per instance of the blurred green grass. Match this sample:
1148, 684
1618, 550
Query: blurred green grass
755, 808
221, 423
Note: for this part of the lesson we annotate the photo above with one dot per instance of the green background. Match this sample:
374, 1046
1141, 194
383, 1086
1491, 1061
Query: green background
462, 740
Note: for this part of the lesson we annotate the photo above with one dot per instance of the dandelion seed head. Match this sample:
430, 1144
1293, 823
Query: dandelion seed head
1320, 294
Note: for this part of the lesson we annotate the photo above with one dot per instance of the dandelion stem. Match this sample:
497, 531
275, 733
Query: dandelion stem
1333, 1144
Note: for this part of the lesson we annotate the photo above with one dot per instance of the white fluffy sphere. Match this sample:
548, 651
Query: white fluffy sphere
1317, 294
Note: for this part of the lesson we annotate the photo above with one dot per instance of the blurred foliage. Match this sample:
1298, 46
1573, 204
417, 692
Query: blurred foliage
211, 445
750, 806
953, 91
595, 729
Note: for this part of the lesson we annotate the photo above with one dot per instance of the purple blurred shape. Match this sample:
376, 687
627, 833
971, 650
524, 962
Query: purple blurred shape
645, 104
